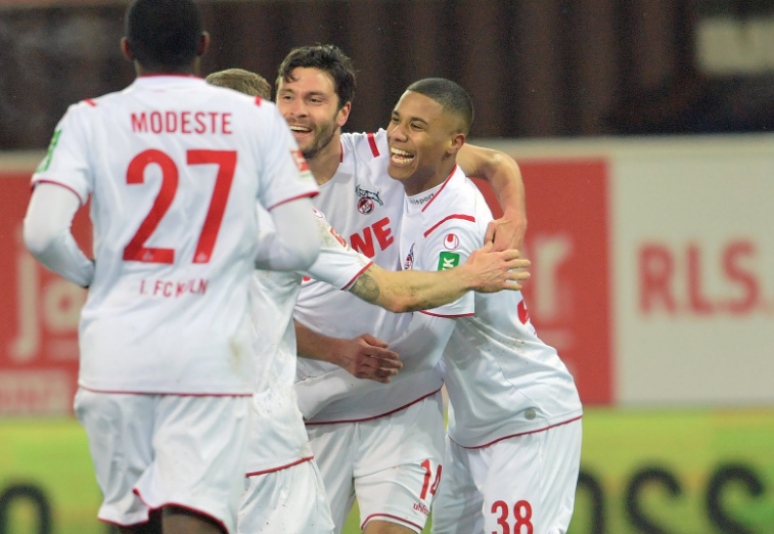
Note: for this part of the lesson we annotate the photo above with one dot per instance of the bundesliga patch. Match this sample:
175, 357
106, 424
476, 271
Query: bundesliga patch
44, 165
448, 260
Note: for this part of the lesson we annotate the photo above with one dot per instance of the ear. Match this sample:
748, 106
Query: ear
343, 114
455, 143
126, 50
204, 44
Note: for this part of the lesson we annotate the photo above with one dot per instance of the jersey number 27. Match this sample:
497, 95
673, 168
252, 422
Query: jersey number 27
225, 160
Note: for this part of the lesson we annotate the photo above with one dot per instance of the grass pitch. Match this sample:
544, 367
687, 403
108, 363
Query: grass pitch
689, 447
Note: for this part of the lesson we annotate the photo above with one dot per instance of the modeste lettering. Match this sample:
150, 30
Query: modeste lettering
184, 122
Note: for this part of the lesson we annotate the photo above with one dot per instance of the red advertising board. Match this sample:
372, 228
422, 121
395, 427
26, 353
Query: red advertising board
568, 245
39, 327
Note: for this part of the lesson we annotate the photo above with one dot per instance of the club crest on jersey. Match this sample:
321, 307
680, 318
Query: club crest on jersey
367, 198
448, 260
451, 241
365, 206
409, 259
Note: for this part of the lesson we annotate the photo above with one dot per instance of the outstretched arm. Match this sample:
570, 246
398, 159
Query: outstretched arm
503, 174
294, 243
484, 271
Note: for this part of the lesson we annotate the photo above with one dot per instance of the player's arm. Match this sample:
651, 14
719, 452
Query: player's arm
363, 357
503, 174
296, 242
484, 271
47, 233
420, 347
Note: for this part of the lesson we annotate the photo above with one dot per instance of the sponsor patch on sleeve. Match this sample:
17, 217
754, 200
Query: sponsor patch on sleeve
44, 165
301, 163
448, 260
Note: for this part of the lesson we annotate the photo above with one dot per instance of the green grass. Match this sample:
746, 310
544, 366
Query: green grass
691, 445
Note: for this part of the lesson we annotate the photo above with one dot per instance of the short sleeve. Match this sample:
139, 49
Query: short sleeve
337, 264
285, 175
445, 247
66, 162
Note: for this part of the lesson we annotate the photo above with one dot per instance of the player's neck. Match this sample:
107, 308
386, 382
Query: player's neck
416, 185
188, 70
326, 162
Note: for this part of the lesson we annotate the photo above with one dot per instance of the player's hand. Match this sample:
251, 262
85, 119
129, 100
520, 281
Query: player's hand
507, 232
368, 357
495, 271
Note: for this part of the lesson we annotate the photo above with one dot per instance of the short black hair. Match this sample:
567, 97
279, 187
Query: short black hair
450, 95
327, 58
163, 33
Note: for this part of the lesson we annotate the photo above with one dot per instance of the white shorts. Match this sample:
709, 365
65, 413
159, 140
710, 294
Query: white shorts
390, 463
151, 451
288, 500
524, 484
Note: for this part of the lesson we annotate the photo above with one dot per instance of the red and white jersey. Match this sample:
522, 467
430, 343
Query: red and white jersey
365, 206
174, 167
501, 378
276, 417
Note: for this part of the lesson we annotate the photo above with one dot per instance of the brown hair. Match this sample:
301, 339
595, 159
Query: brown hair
241, 80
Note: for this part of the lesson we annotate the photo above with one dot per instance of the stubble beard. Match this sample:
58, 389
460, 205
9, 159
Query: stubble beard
322, 138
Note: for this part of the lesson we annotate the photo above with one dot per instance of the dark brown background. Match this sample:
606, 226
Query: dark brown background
535, 68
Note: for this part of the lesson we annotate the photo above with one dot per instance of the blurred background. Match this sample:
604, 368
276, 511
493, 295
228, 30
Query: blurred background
641, 130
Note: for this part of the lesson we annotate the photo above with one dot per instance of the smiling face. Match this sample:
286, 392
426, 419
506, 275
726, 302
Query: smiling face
310, 105
424, 141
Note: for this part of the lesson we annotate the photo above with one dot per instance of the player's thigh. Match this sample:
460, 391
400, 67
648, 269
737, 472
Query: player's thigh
531, 482
333, 447
560, 476
398, 467
119, 428
200, 448
289, 500
458, 503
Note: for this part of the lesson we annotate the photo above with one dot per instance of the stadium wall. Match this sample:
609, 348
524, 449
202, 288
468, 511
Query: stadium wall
652, 273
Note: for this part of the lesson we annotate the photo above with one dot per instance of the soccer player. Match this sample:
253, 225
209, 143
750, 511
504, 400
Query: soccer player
174, 168
514, 438
385, 447
244, 81
285, 491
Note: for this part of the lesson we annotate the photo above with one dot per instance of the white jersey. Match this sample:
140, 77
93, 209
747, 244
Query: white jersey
501, 378
279, 438
365, 206
175, 167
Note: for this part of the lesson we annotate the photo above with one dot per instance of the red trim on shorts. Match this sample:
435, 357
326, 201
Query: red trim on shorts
521, 434
310, 423
372, 142
60, 184
364, 269
439, 191
447, 316
258, 100
301, 461
439, 223
90, 102
165, 393
220, 523
311, 194
372, 516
